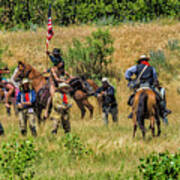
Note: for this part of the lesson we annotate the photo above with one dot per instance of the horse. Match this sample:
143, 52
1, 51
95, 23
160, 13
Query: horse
81, 97
145, 106
39, 84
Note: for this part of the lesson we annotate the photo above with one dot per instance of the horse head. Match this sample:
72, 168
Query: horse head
23, 71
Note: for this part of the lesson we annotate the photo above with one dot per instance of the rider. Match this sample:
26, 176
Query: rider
10, 91
145, 77
58, 70
109, 103
61, 106
25, 101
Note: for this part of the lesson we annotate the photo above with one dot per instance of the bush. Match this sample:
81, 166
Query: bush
158, 60
162, 166
16, 159
92, 57
74, 148
23, 13
173, 44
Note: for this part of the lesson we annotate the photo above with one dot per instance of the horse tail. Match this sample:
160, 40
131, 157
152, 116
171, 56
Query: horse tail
152, 103
141, 109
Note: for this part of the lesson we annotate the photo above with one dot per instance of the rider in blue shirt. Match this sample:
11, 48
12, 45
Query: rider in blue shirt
147, 77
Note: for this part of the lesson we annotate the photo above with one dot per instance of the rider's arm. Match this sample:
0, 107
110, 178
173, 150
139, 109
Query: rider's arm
132, 70
55, 76
98, 91
2, 71
67, 74
33, 94
52, 58
154, 75
110, 91
18, 99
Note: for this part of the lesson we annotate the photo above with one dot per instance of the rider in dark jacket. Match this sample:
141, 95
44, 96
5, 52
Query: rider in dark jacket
109, 103
56, 57
145, 77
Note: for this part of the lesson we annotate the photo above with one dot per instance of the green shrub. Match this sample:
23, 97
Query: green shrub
161, 166
16, 159
74, 148
23, 13
92, 57
158, 60
173, 44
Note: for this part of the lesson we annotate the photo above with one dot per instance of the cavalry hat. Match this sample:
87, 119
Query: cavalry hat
56, 51
25, 80
143, 57
105, 79
62, 85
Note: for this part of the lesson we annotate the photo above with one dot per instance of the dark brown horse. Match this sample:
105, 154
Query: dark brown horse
145, 106
81, 98
39, 84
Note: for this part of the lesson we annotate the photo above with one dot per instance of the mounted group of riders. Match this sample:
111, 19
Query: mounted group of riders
62, 86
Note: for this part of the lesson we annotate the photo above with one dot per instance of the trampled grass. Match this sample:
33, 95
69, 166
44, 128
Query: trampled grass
115, 155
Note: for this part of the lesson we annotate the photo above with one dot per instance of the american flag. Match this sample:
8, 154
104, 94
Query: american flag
50, 32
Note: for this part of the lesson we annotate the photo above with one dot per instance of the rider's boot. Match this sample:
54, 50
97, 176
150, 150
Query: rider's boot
1, 130
164, 112
130, 103
33, 131
131, 100
54, 131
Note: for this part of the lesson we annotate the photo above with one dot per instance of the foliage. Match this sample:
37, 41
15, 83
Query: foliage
162, 166
92, 57
173, 44
74, 147
16, 159
158, 60
24, 14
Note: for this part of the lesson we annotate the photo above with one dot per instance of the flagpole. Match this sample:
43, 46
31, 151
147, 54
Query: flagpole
50, 33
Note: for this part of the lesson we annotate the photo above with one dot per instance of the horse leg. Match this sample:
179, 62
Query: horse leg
48, 108
152, 124
158, 122
99, 100
81, 107
38, 112
86, 103
135, 125
141, 125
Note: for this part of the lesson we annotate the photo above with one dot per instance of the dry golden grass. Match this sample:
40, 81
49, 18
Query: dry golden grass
130, 42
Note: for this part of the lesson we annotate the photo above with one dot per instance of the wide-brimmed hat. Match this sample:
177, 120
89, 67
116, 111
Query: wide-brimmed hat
56, 51
143, 57
63, 85
105, 79
25, 80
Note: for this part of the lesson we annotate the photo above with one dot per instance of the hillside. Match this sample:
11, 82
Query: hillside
115, 150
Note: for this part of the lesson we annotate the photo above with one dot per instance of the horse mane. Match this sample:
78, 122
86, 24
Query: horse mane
35, 72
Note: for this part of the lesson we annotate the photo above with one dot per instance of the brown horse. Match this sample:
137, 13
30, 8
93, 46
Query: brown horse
39, 84
81, 98
145, 106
